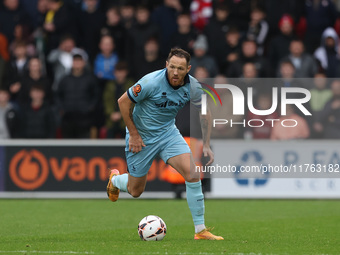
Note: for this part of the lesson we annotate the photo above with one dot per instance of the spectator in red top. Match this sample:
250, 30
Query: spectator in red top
201, 11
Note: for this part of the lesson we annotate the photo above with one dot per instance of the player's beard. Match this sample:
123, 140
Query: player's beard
176, 81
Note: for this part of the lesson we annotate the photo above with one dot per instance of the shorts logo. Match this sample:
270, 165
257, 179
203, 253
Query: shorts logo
136, 89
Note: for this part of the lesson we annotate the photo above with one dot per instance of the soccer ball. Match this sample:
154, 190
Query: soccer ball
151, 228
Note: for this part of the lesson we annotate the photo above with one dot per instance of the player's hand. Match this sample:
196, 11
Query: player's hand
136, 143
207, 152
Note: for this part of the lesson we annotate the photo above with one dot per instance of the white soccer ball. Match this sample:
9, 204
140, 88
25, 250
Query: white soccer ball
151, 228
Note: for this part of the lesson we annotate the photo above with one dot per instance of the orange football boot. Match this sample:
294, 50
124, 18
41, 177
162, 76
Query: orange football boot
112, 191
205, 234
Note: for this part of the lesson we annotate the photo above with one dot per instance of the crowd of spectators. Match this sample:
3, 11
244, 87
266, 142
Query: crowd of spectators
64, 63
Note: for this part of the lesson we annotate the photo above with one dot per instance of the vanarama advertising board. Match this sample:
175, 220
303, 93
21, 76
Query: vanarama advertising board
67, 166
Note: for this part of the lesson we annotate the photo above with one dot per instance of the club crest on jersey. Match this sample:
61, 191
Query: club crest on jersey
136, 89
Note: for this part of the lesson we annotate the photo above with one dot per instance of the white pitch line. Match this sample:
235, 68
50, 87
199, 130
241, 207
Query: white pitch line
49, 252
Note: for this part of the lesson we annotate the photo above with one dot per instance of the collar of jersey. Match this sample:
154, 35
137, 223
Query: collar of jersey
186, 80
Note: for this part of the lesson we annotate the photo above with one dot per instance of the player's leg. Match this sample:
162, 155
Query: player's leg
134, 182
184, 164
124, 182
136, 185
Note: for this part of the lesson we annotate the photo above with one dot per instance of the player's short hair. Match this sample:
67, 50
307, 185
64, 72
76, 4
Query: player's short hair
179, 53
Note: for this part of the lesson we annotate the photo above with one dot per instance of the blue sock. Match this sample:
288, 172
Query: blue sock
195, 201
120, 181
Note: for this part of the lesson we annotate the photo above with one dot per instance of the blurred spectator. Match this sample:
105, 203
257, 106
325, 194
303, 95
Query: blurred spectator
9, 120
34, 76
151, 60
10, 15
104, 66
185, 36
36, 10
282, 132
115, 28
113, 90
58, 22
249, 55
127, 12
22, 33
4, 53
16, 69
4, 56
165, 17
249, 79
90, 21
201, 58
249, 71
216, 29
263, 102
276, 9
287, 72
258, 28
61, 58
320, 14
228, 50
279, 45
201, 11
201, 73
320, 95
305, 65
329, 120
77, 97
240, 12
38, 118
140, 32
328, 53
106, 60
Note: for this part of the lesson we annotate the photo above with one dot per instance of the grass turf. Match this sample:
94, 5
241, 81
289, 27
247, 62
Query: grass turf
103, 227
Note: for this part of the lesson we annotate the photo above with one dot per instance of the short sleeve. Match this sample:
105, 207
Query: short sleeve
195, 92
140, 91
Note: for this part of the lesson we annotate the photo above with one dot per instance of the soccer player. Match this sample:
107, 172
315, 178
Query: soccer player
149, 109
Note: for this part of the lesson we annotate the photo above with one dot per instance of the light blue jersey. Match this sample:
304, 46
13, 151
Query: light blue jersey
157, 104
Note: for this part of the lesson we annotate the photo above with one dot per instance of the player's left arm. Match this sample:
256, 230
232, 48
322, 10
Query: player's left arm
206, 132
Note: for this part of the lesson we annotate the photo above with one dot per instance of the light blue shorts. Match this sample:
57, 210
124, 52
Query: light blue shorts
170, 145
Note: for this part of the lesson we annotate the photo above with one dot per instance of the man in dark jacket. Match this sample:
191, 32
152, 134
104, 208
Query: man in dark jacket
38, 119
58, 22
77, 96
279, 45
11, 15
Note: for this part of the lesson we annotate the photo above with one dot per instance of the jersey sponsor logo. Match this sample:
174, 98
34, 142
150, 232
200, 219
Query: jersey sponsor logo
136, 89
169, 103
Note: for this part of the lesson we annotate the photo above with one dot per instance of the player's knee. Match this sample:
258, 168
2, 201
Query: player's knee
136, 193
191, 178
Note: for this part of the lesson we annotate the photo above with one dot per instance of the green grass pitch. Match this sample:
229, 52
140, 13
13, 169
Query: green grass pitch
101, 227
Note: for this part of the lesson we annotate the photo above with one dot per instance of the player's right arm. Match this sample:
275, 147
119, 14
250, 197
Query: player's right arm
126, 108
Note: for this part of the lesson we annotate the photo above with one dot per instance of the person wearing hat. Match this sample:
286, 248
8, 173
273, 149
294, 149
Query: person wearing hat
201, 58
279, 45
